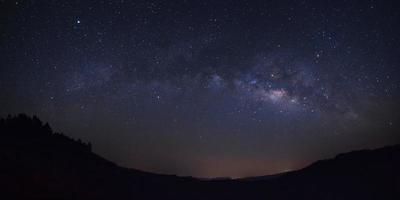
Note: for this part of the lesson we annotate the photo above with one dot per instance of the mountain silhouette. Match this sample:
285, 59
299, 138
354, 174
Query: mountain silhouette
37, 163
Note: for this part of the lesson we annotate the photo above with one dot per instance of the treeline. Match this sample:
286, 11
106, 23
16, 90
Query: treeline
24, 131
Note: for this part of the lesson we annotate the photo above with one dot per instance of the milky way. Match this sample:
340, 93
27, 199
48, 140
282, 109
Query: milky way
207, 88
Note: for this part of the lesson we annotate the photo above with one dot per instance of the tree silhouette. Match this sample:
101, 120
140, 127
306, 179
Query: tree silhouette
37, 163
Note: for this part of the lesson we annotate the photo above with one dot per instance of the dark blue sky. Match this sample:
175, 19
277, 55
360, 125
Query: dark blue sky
206, 88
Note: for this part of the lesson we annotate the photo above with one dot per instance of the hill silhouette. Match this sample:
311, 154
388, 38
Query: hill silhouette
37, 163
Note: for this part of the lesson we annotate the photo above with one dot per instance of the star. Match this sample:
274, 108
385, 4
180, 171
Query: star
185, 66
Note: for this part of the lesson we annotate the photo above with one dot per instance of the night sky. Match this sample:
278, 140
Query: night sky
206, 88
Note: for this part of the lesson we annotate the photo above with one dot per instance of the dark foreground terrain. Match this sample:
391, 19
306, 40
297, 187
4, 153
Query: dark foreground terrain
36, 163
